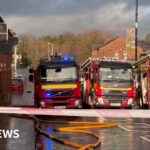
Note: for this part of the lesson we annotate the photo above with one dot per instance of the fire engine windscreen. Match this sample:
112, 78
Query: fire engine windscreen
115, 77
59, 74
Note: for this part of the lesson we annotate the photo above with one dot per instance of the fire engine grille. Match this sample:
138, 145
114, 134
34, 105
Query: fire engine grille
61, 93
115, 100
116, 93
60, 104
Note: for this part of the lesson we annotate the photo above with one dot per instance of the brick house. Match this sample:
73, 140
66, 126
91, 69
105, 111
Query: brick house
115, 48
7, 41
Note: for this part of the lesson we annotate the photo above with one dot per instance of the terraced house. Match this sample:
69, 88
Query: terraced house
7, 42
119, 48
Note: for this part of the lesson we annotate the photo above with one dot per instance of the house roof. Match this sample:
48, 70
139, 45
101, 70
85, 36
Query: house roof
9, 31
1, 20
6, 45
145, 45
112, 40
145, 53
96, 47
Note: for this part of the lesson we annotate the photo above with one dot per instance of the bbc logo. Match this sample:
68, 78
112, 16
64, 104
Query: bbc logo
9, 134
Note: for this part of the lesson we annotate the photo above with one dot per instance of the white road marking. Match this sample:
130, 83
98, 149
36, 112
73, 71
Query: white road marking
124, 128
138, 123
144, 138
102, 119
132, 130
142, 123
130, 119
140, 130
146, 124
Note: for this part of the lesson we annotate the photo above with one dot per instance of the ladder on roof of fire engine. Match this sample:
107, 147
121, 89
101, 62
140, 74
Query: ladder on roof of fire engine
91, 59
142, 60
87, 62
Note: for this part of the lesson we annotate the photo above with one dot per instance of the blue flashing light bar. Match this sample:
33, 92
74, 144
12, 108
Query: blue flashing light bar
67, 59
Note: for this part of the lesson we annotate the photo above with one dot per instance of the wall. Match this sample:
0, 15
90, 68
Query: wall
115, 47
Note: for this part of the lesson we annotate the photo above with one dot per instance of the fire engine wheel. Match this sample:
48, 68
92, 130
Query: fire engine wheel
130, 107
141, 102
142, 106
90, 102
36, 105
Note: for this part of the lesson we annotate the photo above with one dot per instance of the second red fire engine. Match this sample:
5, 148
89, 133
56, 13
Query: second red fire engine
108, 83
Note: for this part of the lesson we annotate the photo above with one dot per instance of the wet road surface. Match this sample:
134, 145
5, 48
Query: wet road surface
132, 134
26, 133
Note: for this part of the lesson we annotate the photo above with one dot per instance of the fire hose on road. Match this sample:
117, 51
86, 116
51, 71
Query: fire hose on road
83, 127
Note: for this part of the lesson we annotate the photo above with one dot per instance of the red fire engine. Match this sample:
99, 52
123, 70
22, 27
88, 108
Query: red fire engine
108, 83
142, 80
56, 83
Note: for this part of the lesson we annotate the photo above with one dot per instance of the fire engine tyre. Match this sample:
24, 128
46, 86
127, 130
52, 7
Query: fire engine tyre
36, 105
86, 106
90, 103
141, 102
130, 107
142, 106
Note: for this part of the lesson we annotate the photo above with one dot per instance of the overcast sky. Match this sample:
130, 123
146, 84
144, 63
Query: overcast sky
43, 17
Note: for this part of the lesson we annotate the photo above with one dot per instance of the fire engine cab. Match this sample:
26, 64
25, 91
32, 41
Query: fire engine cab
107, 83
56, 83
142, 81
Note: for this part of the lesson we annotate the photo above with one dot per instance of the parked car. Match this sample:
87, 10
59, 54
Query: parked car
17, 84
18, 76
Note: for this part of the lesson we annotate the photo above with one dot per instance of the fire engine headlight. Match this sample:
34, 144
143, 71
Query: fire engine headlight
77, 103
130, 101
48, 93
42, 104
106, 92
100, 100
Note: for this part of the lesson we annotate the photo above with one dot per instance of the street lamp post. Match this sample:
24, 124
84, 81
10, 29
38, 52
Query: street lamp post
15, 60
136, 29
52, 51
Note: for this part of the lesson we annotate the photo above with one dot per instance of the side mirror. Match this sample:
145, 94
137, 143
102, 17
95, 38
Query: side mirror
58, 70
31, 70
31, 78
